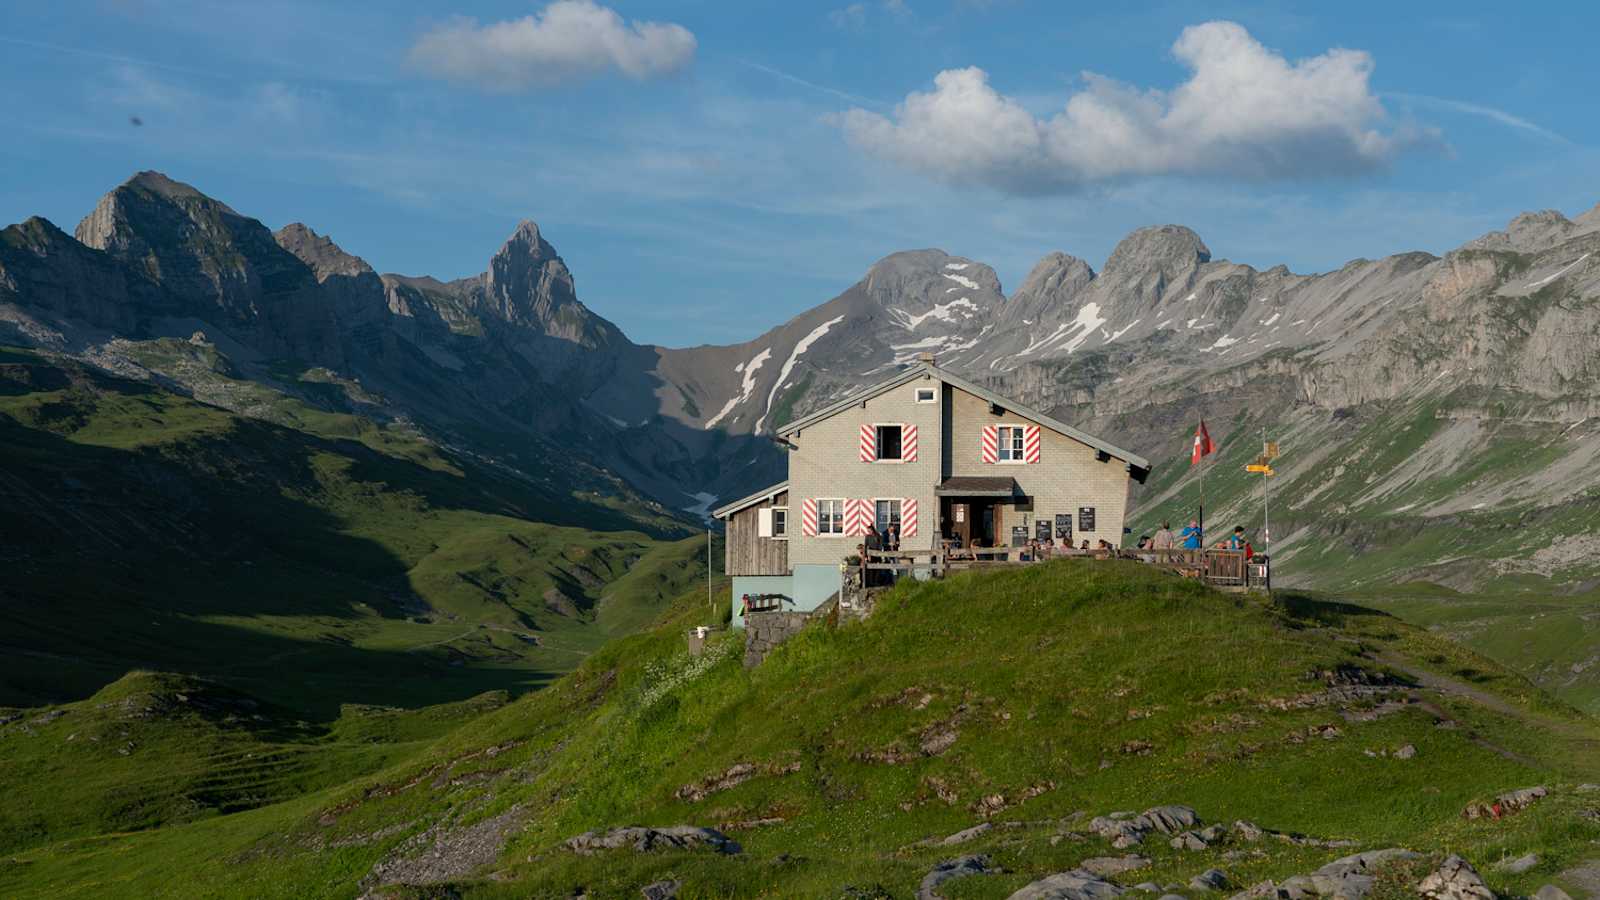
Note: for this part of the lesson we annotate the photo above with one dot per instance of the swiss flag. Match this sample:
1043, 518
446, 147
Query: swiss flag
1202, 444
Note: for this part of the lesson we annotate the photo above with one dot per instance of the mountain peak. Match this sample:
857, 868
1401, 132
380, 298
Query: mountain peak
159, 184
319, 252
1162, 246
916, 272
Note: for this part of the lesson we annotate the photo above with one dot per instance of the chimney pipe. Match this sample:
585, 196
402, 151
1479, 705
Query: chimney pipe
925, 358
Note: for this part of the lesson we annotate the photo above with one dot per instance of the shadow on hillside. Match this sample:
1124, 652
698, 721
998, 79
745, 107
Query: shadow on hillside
108, 555
1312, 608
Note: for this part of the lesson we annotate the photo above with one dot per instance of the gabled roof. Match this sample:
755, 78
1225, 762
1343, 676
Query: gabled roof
746, 502
928, 370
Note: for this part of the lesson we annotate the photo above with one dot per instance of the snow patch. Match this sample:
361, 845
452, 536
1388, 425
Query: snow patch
944, 312
956, 266
1549, 278
750, 369
800, 347
1191, 296
1088, 320
1121, 331
1224, 341
1270, 319
962, 280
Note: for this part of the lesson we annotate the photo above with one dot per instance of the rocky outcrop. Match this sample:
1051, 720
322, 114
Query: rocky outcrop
1072, 885
1455, 879
1505, 804
1347, 878
960, 867
1124, 829
644, 840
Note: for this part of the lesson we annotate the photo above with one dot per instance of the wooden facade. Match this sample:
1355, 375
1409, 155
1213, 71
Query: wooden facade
750, 553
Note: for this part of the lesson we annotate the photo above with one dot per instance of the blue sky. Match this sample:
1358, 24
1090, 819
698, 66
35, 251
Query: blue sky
709, 169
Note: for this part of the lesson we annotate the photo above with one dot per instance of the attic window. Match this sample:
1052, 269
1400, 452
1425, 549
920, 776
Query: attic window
888, 441
926, 395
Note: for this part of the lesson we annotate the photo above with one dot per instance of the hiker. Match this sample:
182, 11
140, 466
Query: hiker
1085, 544
1164, 539
1191, 535
892, 537
1238, 541
873, 541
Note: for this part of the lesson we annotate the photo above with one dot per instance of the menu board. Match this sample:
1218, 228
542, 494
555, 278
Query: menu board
1019, 535
1064, 526
1085, 518
1041, 530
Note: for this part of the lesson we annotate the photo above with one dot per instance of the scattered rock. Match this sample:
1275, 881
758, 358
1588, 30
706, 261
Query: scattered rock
1198, 840
1551, 892
1107, 866
660, 890
1347, 878
1149, 887
1209, 880
1520, 864
1505, 804
735, 775
444, 853
1406, 752
1074, 885
966, 834
1124, 829
960, 867
1455, 879
644, 840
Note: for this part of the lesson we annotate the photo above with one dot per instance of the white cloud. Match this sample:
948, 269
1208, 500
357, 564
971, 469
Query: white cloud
1245, 112
568, 39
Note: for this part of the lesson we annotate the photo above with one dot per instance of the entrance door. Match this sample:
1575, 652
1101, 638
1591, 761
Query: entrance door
961, 522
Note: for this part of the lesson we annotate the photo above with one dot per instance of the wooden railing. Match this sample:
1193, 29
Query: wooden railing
1222, 568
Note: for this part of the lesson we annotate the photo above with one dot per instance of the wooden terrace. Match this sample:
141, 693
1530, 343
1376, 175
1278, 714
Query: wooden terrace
1224, 569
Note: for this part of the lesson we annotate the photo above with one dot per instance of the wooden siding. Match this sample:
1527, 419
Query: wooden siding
750, 554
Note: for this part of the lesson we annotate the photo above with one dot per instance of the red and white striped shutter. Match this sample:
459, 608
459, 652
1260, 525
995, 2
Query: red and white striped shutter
908, 517
1030, 443
991, 443
856, 516
869, 443
808, 517
908, 443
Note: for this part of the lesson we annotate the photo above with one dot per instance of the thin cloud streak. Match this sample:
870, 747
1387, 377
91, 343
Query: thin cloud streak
795, 79
1477, 109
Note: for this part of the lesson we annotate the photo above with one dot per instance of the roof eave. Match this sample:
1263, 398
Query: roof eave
745, 502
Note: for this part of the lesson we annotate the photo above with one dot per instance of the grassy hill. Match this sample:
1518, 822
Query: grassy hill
1552, 639
1032, 700
327, 561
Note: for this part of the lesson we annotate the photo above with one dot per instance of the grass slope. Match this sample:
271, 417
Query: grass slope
1026, 696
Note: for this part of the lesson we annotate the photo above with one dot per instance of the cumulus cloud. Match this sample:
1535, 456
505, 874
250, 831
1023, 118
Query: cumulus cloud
568, 39
1244, 112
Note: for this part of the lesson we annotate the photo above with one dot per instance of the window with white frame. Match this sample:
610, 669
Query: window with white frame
830, 517
1011, 441
772, 522
889, 441
926, 395
887, 512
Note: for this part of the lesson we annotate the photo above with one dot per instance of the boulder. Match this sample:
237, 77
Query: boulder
1125, 829
960, 867
1209, 880
1074, 885
1551, 892
1505, 804
643, 840
966, 834
1519, 865
1107, 866
660, 890
1346, 878
1455, 879
1406, 752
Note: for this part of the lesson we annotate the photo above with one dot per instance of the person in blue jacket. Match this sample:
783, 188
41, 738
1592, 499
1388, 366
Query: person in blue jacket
1191, 536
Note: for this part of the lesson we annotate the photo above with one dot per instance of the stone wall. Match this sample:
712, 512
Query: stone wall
765, 630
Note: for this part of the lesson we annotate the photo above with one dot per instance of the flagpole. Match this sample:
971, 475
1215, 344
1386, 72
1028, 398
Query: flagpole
1202, 517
